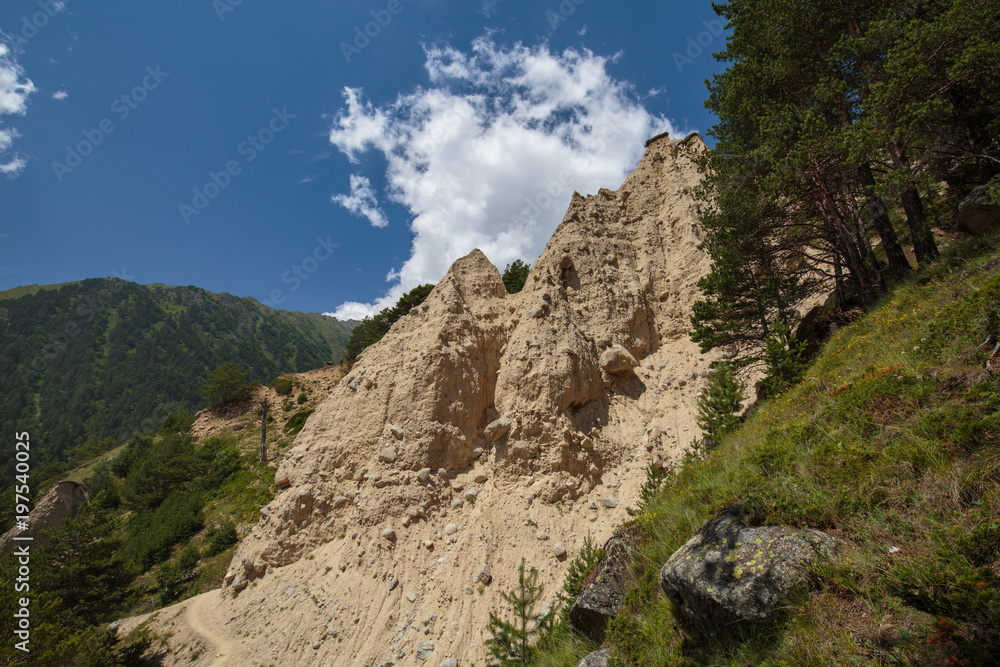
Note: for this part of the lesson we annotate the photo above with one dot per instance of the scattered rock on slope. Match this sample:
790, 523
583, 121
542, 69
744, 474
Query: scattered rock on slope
602, 598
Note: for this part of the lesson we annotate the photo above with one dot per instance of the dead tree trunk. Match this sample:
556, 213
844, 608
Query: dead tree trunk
263, 429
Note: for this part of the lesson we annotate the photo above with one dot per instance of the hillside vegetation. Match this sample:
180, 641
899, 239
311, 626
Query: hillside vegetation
163, 518
891, 443
87, 364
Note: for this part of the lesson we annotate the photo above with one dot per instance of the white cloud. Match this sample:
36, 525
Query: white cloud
14, 92
488, 156
362, 201
60, 95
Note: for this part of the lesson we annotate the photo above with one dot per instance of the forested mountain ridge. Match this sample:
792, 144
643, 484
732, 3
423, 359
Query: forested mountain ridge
98, 359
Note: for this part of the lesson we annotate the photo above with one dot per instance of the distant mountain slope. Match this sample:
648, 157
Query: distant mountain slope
100, 358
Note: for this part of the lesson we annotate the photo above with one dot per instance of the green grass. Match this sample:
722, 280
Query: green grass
891, 441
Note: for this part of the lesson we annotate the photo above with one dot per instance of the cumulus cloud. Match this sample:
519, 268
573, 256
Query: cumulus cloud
14, 92
488, 155
362, 201
60, 95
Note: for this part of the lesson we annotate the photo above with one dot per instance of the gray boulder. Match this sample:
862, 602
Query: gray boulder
596, 659
977, 214
730, 576
602, 599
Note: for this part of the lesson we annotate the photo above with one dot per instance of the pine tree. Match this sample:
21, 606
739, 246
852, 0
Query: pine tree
719, 405
511, 640
515, 275
785, 359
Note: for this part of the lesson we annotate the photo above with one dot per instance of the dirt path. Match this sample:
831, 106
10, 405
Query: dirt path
217, 648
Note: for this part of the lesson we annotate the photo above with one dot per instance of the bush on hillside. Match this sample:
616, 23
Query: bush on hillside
282, 386
226, 384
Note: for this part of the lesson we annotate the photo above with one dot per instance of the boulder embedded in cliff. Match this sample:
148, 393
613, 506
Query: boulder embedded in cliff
497, 429
616, 359
730, 576
602, 598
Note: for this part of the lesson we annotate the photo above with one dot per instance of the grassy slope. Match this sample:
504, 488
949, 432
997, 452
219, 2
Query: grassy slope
892, 443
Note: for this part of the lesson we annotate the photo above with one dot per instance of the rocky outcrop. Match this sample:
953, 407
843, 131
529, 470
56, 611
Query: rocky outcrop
59, 504
978, 214
730, 576
603, 596
450, 441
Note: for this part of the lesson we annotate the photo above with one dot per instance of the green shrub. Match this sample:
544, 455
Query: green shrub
226, 384
784, 356
223, 538
297, 421
177, 422
152, 533
282, 386
302, 398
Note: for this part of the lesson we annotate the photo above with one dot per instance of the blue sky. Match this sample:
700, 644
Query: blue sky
323, 156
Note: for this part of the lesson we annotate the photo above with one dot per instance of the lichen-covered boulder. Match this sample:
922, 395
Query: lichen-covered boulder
602, 598
596, 659
730, 576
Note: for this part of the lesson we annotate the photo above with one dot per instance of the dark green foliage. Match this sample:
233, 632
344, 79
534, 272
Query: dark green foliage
302, 398
83, 567
188, 558
153, 534
833, 123
371, 329
784, 356
155, 472
515, 275
282, 386
177, 422
223, 538
579, 569
719, 404
655, 477
510, 641
297, 421
225, 384
105, 358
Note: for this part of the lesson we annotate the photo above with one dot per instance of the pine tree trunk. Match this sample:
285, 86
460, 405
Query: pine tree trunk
899, 266
920, 230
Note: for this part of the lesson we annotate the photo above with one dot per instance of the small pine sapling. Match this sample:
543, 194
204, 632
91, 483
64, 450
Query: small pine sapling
510, 642
719, 405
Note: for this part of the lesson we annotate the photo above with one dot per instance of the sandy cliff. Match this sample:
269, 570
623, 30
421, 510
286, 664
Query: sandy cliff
484, 428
